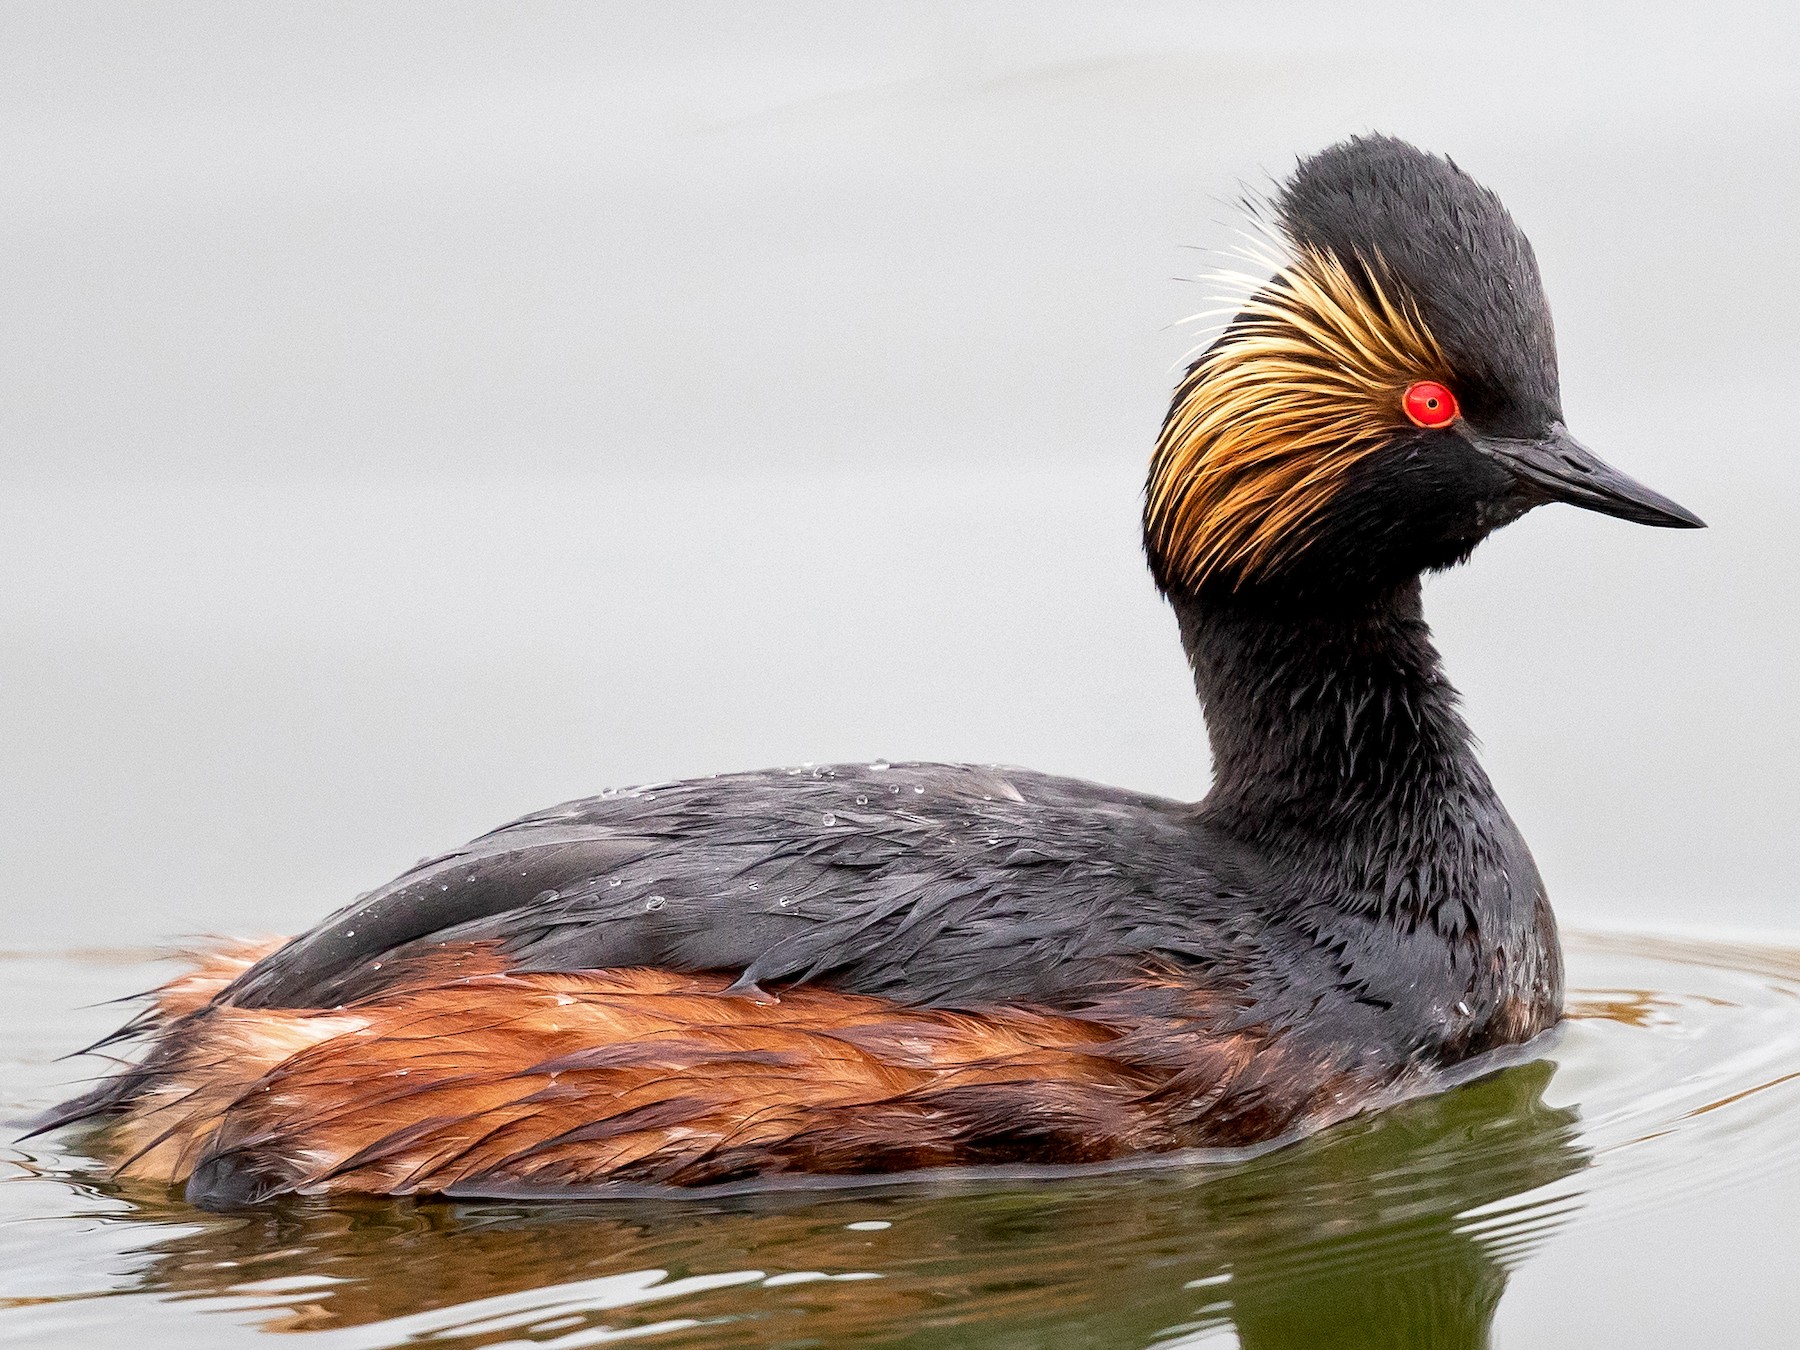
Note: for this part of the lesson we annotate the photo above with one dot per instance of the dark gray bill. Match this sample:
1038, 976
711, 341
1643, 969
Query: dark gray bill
1565, 470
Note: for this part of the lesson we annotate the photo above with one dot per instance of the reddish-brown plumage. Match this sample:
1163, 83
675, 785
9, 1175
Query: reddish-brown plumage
461, 1074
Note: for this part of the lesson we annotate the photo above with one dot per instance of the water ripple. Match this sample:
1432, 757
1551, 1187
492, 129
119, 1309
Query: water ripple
1674, 1078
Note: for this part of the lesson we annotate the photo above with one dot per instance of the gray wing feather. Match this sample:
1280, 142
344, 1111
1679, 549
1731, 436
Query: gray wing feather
922, 882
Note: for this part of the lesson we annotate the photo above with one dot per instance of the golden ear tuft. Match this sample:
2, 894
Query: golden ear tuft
1307, 380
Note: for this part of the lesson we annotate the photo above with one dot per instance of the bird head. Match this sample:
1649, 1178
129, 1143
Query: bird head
1382, 402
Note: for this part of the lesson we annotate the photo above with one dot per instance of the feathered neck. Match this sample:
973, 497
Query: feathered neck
1337, 744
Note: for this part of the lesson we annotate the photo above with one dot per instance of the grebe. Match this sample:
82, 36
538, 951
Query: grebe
873, 968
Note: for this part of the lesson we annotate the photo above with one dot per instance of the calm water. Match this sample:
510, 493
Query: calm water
1510, 1209
414, 414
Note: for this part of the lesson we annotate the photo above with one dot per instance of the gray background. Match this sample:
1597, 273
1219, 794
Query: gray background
414, 414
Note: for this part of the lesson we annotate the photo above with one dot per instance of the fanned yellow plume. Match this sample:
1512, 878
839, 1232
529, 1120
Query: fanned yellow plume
1306, 381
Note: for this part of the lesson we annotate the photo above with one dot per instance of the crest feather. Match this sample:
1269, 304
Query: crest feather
1305, 381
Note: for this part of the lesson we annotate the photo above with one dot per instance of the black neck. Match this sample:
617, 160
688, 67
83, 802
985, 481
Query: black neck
1336, 742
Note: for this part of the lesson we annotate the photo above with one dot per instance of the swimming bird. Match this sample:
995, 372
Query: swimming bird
871, 968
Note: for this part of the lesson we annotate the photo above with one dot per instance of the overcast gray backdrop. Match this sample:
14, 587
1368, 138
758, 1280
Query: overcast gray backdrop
414, 414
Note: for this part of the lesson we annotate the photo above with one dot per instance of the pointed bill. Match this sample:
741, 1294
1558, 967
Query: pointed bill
1564, 470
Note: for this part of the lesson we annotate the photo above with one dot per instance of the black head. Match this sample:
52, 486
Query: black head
1384, 402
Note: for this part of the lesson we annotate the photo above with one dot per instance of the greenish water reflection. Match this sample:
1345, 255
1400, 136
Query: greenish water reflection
1360, 1237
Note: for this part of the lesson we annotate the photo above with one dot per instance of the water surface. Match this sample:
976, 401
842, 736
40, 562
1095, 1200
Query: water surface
1664, 1104
414, 414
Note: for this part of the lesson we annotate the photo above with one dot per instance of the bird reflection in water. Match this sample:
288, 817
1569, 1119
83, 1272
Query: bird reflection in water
1362, 1236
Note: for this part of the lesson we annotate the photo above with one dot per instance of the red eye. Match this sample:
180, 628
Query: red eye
1429, 404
